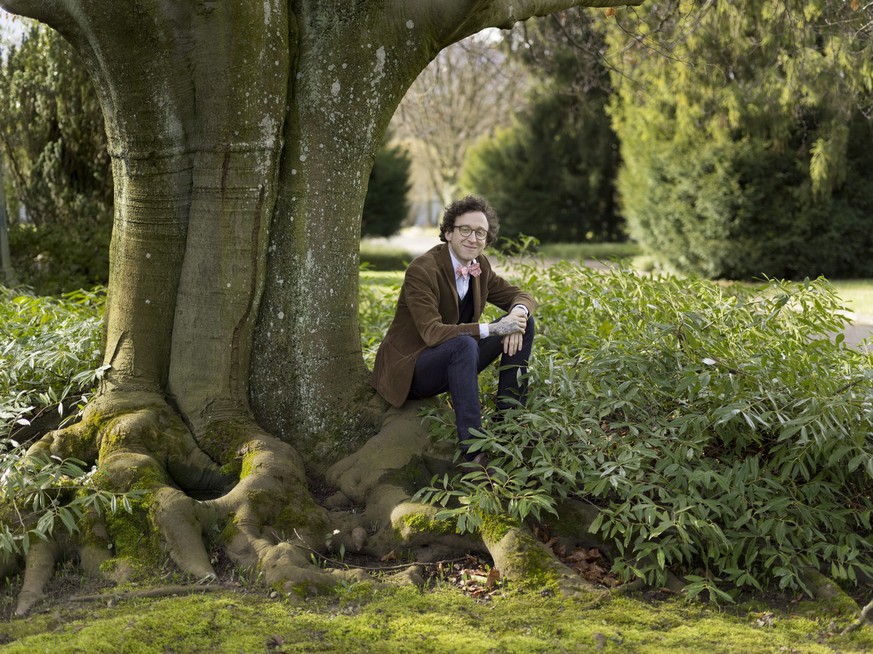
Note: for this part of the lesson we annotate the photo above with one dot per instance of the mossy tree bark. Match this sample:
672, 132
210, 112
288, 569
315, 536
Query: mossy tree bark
242, 135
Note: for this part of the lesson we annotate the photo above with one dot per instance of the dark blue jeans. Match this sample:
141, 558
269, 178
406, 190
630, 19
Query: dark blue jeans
454, 366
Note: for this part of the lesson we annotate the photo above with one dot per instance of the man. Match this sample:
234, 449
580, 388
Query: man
436, 343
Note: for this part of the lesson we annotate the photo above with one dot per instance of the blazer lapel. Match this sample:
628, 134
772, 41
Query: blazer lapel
449, 273
475, 289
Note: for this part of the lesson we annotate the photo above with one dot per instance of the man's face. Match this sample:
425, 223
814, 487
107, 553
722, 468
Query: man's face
467, 248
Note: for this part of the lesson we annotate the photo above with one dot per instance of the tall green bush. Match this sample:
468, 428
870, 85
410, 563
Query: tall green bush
745, 137
722, 433
387, 203
551, 175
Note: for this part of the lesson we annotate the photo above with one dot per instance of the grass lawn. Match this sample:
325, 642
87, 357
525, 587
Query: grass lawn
858, 295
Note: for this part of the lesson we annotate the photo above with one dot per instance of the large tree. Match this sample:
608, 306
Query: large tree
241, 136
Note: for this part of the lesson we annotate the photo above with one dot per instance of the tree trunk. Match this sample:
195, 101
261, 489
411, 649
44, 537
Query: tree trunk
242, 135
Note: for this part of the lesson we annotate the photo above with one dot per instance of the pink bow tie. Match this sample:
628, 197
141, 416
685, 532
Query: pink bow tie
473, 269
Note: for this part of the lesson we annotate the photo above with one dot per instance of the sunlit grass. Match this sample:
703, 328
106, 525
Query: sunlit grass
858, 296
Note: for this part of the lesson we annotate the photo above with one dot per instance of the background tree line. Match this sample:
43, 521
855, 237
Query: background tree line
728, 141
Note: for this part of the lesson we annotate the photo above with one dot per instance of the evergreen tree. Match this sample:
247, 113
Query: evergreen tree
387, 204
57, 166
743, 137
551, 175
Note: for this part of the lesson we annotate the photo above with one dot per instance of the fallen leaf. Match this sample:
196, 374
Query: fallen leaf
493, 578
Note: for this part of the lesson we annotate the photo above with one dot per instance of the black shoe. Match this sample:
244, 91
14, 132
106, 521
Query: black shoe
478, 462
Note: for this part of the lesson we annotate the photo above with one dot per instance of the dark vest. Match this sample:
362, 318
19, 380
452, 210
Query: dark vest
465, 307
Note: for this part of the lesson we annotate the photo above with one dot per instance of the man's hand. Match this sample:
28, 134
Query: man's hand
511, 327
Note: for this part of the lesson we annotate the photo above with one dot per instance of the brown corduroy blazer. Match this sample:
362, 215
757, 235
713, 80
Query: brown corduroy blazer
427, 315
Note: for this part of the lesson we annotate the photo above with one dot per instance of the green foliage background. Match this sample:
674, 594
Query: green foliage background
55, 164
551, 175
721, 431
387, 204
745, 136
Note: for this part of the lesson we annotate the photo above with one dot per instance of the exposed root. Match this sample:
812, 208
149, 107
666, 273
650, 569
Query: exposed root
41, 558
163, 591
522, 558
864, 617
138, 442
383, 475
255, 504
387, 471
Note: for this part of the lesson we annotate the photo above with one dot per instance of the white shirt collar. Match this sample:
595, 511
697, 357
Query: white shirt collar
455, 261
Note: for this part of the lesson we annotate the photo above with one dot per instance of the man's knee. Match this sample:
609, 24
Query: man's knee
466, 348
530, 329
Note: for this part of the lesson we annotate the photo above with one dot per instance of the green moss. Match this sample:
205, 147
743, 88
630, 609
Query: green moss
222, 440
247, 464
539, 568
495, 527
230, 529
396, 619
420, 523
135, 539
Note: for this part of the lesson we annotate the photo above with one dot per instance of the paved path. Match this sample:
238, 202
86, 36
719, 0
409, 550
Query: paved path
418, 240
861, 328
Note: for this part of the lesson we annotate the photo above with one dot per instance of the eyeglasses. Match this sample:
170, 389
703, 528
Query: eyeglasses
465, 231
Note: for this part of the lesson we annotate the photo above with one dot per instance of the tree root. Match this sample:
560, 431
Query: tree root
258, 507
138, 442
163, 591
863, 617
387, 471
40, 565
520, 557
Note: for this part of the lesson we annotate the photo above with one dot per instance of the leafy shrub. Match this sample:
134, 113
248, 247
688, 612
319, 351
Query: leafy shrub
722, 432
49, 356
387, 204
40, 494
377, 300
49, 352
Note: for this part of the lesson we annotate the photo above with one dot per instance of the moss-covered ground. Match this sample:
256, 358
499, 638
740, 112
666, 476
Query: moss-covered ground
403, 619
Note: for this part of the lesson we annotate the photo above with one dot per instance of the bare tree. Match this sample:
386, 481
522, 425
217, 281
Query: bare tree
468, 91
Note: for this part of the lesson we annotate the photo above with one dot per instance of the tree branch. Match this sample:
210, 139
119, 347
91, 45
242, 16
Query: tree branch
452, 21
53, 13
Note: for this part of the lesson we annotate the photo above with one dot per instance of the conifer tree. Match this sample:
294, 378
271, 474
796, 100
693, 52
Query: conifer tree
745, 136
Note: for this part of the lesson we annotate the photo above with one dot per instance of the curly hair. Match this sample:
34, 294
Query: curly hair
466, 205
